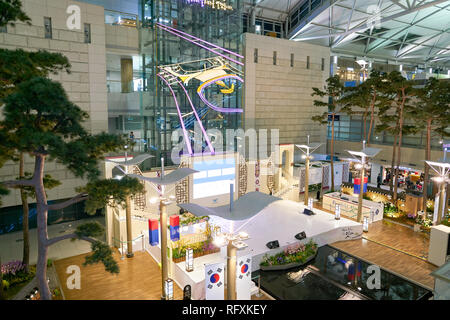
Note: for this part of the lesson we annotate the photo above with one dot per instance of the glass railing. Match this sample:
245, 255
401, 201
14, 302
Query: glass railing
117, 18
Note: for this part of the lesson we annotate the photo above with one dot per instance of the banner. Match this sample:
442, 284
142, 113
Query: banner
243, 277
357, 185
214, 281
174, 227
153, 232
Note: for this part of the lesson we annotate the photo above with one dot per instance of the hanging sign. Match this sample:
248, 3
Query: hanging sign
153, 232
214, 281
174, 227
213, 4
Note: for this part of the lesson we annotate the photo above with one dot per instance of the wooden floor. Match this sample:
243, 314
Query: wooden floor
393, 247
139, 279
390, 260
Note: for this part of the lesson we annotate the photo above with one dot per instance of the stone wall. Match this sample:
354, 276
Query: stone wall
85, 85
279, 96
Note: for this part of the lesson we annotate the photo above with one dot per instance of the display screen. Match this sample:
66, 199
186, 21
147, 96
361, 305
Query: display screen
214, 177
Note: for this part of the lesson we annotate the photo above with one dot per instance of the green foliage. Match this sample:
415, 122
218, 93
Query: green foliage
180, 251
110, 191
390, 208
433, 105
20, 276
56, 292
5, 284
333, 91
10, 11
293, 254
49, 263
91, 229
102, 253
49, 183
39, 118
19, 66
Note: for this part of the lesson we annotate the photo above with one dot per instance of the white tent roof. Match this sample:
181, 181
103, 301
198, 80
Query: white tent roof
168, 179
244, 208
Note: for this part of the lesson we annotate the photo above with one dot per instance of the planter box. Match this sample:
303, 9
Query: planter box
288, 265
196, 255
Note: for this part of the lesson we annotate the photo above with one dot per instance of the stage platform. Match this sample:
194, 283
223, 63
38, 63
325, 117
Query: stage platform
281, 220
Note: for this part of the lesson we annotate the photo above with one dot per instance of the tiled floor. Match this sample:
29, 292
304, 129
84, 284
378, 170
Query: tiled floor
11, 244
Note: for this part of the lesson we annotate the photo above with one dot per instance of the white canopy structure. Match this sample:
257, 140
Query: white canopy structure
244, 208
169, 179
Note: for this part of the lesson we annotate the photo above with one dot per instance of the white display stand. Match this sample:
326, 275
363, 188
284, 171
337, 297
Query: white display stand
437, 252
281, 221
349, 206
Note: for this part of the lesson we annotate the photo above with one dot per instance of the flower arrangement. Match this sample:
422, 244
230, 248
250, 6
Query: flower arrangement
424, 221
12, 268
292, 254
200, 248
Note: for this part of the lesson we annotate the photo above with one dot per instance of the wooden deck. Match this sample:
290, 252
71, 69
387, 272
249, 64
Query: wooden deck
395, 248
139, 279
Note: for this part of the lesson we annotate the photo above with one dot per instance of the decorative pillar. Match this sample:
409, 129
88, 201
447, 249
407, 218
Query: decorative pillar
164, 262
231, 271
126, 74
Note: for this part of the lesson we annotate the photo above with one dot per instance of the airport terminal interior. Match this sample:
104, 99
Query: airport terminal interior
224, 150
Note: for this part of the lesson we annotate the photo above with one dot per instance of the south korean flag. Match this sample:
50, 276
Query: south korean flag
214, 281
243, 277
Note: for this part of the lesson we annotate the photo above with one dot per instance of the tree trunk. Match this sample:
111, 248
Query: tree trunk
25, 225
42, 212
426, 168
372, 117
332, 153
399, 146
394, 149
365, 124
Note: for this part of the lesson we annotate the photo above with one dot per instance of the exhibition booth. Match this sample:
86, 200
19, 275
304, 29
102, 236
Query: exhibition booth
219, 199
349, 206
280, 221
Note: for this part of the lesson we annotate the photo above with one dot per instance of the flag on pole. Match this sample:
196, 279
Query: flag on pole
243, 277
214, 281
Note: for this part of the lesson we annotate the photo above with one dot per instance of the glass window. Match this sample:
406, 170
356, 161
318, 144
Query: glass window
274, 58
292, 59
4, 29
87, 33
48, 27
255, 55
323, 64
307, 62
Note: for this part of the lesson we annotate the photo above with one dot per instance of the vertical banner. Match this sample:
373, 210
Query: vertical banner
153, 237
174, 227
257, 174
243, 277
214, 281
357, 185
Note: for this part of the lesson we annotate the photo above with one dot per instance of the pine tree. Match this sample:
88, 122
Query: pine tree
18, 66
367, 96
432, 112
38, 119
392, 114
333, 91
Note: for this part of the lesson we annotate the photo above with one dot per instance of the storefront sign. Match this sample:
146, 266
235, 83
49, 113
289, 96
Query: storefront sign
214, 4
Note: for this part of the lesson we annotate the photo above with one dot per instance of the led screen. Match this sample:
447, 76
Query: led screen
214, 177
